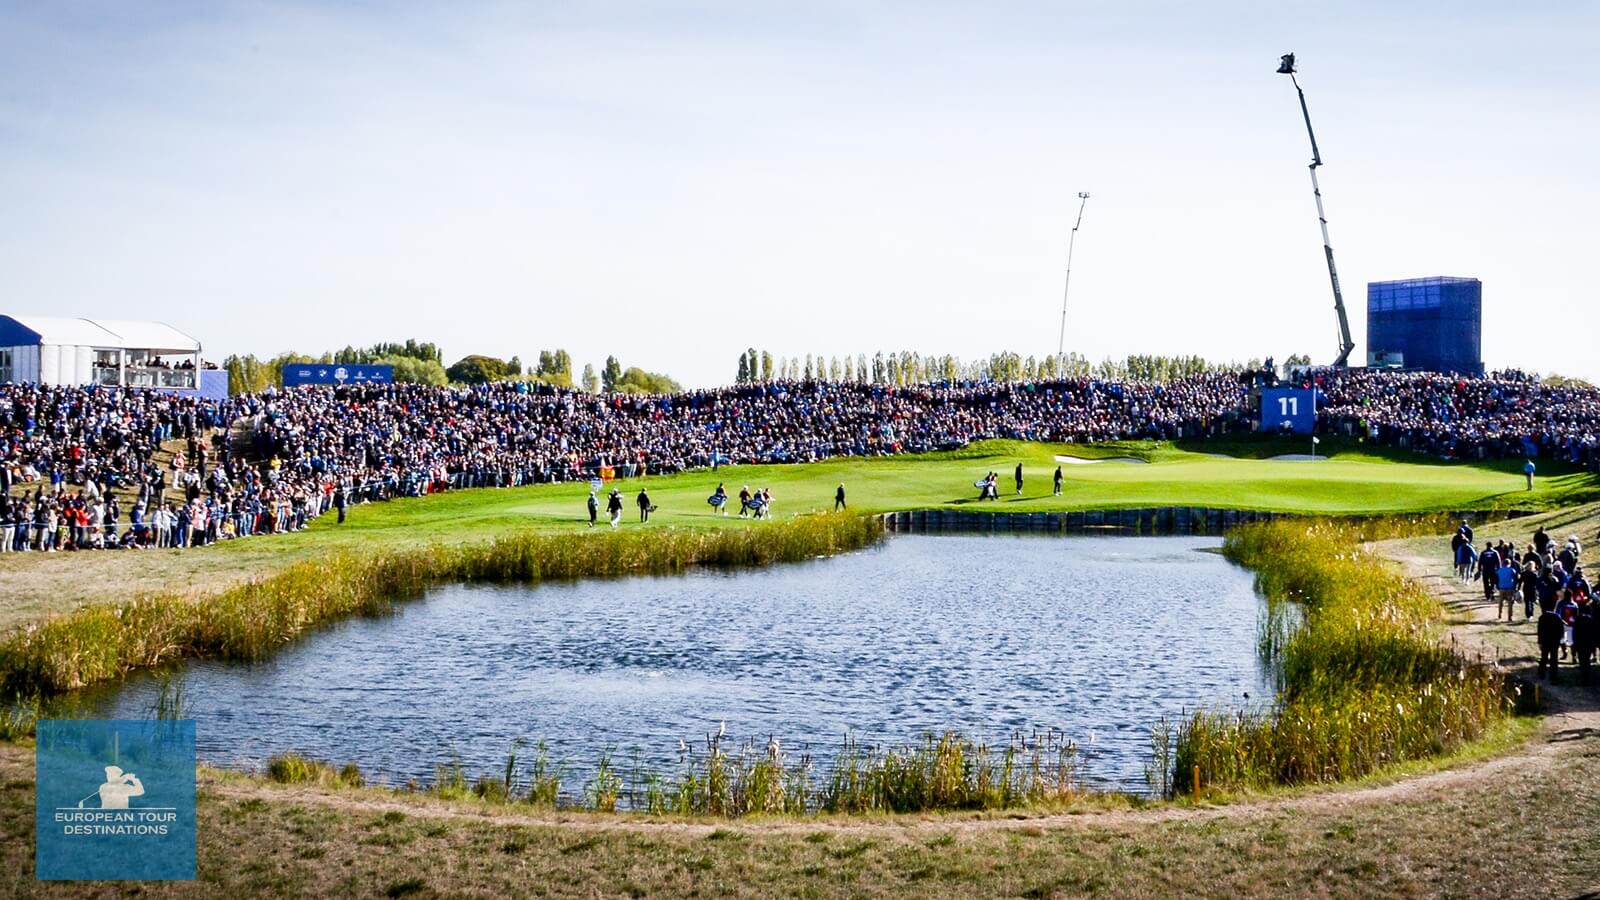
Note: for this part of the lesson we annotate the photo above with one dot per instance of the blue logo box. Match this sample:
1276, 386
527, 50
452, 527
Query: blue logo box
114, 800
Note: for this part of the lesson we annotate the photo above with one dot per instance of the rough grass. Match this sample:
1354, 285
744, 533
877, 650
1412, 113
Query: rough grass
1363, 682
1521, 831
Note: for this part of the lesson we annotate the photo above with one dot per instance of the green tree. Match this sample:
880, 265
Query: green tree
476, 369
413, 370
637, 381
248, 375
744, 370
591, 382
411, 348
766, 366
610, 375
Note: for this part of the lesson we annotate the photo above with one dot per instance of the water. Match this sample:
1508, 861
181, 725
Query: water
1099, 636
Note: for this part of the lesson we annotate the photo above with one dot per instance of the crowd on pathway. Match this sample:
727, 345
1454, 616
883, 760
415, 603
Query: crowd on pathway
1543, 579
85, 467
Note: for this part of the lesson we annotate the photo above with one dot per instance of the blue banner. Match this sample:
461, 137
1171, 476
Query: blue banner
1288, 409
296, 374
114, 800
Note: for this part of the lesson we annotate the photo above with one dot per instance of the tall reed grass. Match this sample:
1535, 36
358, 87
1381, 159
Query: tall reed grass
1363, 680
251, 620
724, 778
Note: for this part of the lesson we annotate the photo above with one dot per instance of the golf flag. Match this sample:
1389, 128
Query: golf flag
1315, 441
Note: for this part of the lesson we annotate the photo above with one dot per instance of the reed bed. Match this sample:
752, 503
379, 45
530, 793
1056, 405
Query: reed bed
250, 621
1363, 680
727, 779
292, 768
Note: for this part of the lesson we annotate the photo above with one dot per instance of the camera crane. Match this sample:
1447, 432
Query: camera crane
1346, 344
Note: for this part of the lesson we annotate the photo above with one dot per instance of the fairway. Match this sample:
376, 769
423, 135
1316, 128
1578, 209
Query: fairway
1347, 483
1351, 481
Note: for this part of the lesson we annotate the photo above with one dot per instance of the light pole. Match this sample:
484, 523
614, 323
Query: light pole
1061, 342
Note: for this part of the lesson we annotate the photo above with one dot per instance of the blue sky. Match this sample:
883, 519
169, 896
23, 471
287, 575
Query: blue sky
674, 182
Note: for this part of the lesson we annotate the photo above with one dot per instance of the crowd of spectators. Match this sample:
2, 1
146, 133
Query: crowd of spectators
82, 467
1504, 415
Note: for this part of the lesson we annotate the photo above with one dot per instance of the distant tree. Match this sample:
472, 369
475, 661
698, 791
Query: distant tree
591, 383
476, 369
248, 375
849, 368
835, 372
637, 381
513, 367
808, 372
766, 366
1567, 382
1294, 361
554, 368
412, 370
411, 348
610, 375
744, 370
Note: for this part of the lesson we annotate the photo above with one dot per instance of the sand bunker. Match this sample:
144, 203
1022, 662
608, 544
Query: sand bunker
1080, 461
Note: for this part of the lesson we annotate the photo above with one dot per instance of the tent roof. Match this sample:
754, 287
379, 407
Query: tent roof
149, 335
106, 333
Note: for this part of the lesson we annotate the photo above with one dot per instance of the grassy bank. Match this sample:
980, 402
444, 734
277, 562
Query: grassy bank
1446, 836
1364, 681
247, 621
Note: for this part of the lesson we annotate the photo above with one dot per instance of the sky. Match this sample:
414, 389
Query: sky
674, 182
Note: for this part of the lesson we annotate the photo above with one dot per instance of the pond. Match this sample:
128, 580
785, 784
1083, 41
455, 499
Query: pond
1097, 636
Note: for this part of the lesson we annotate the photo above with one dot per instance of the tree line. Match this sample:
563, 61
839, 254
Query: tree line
417, 362
907, 367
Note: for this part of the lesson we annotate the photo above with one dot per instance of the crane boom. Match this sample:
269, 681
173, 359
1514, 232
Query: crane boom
1346, 343
1061, 343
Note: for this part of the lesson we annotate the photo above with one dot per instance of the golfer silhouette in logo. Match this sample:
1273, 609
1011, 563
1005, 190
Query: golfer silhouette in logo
118, 788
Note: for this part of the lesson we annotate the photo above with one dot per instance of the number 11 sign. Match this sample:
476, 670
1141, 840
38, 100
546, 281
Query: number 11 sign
1288, 409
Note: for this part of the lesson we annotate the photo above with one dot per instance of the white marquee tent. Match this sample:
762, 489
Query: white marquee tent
61, 351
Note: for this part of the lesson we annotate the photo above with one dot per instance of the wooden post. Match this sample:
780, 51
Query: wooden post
1197, 781
1536, 696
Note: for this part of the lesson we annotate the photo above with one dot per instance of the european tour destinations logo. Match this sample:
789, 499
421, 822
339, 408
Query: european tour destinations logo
115, 800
